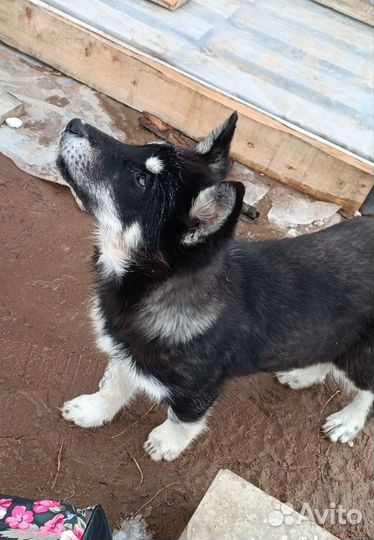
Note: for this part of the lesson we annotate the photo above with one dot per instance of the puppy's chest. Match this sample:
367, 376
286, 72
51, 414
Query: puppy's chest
173, 313
120, 329
143, 366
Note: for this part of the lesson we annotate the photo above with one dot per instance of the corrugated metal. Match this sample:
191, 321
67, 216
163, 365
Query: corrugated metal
295, 59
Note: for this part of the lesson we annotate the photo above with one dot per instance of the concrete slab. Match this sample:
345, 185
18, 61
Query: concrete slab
290, 210
50, 100
234, 509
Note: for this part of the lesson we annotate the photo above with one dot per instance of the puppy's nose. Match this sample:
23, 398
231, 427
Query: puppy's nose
76, 127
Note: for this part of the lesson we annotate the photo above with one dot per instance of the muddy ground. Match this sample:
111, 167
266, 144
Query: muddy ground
260, 430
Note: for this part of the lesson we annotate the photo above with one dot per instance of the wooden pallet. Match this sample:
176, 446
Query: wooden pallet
362, 10
263, 142
170, 4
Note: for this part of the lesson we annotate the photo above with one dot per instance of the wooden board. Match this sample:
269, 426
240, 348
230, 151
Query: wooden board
362, 10
170, 4
9, 106
301, 54
290, 155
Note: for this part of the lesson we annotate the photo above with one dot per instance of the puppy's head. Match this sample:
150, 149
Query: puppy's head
159, 200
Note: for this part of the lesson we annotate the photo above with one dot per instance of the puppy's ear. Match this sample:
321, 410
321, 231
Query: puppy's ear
216, 208
215, 148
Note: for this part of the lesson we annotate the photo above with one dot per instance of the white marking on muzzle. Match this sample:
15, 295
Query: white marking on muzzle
77, 154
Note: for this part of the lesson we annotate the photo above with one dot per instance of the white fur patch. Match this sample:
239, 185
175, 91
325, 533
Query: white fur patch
77, 154
304, 377
345, 424
117, 246
92, 410
121, 382
177, 323
154, 165
168, 440
171, 311
136, 380
204, 146
343, 380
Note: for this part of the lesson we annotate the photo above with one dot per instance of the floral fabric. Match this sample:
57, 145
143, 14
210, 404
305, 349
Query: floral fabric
23, 519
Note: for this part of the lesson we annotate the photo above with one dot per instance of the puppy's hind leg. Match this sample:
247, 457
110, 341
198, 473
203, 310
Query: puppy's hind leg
344, 425
356, 369
115, 391
304, 377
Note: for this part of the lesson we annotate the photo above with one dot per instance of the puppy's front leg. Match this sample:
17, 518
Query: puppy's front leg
171, 438
115, 391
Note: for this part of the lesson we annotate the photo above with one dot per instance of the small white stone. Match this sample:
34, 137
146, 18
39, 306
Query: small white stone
357, 213
13, 122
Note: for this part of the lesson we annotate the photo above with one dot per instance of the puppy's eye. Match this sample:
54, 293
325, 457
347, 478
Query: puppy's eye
141, 179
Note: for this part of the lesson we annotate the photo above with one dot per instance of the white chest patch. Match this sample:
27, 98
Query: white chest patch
117, 247
140, 383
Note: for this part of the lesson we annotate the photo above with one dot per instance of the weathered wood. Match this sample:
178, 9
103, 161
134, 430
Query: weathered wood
362, 10
9, 106
163, 130
262, 142
170, 4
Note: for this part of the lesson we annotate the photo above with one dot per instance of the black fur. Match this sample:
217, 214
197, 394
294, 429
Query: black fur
281, 304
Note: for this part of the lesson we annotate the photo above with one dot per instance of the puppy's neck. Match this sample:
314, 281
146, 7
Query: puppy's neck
181, 307
117, 248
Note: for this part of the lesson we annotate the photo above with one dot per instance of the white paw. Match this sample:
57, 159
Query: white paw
303, 377
293, 379
166, 441
88, 410
342, 426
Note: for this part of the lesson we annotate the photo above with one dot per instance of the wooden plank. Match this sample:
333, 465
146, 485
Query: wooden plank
163, 130
170, 4
9, 106
262, 142
362, 10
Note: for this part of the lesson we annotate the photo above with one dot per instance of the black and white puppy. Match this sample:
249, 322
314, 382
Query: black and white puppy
180, 307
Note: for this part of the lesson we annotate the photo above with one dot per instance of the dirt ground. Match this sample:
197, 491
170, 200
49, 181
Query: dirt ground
259, 429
